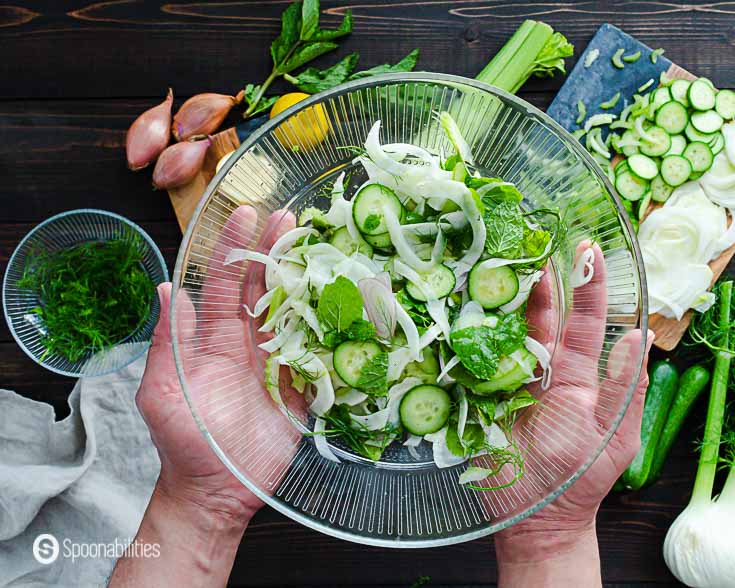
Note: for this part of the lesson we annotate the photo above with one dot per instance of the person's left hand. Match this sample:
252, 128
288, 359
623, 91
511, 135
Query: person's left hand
190, 470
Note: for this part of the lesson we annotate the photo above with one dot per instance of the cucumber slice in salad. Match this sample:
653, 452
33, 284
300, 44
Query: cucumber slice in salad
425, 409
351, 357
426, 370
678, 144
436, 283
342, 240
492, 287
368, 205
510, 374
381, 241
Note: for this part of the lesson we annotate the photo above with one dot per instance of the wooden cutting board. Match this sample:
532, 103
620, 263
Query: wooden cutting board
598, 83
592, 85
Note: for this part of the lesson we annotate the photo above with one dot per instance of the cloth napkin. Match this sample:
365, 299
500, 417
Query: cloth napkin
85, 480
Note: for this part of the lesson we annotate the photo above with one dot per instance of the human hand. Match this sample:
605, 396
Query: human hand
565, 529
212, 345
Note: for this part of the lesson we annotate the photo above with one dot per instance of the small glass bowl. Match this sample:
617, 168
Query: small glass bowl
61, 232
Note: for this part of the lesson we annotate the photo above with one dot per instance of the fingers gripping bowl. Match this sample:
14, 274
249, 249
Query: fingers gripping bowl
589, 294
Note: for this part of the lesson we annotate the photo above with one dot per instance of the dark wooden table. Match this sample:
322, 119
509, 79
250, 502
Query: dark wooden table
73, 76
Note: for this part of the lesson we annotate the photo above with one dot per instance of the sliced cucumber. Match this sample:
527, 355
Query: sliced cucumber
643, 166
672, 117
717, 144
707, 122
701, 95
492, 287
658, 144
675, 170
678, 144
425, 409
700, 156
630, 136
694, 135
342, 240
381, 241
367, 208
630, 186
622, 167
643, 205
436, 283
680, 91
426, 370
351, 357
510, 374
660, 190
660, 97
725, 104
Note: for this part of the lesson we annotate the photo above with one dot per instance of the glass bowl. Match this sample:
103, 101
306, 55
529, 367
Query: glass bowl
61, 232
403, 500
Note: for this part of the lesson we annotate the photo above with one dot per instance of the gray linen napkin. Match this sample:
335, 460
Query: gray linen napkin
85, 480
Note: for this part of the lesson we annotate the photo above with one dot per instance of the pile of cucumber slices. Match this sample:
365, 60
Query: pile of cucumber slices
667, 136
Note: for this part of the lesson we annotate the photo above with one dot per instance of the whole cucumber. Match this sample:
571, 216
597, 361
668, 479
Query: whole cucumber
663, 381
691, 384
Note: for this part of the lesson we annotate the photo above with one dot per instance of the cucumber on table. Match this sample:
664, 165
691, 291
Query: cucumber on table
701, 95
672, 117
425, 409
492, 287
725, 104
691, 384
643, 166
699, 155
662, 388
660, 190
675, 170
657, 143
631, 187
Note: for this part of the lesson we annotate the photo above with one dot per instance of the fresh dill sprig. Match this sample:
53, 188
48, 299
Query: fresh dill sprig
356, 436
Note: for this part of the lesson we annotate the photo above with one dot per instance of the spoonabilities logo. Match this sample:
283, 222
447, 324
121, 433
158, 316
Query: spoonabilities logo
46, 549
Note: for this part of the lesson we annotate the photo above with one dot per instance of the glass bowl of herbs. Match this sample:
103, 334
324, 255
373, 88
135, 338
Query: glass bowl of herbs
79, 293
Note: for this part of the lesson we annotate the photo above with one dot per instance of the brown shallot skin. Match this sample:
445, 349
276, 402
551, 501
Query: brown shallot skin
180, 163
148, 136
203, 114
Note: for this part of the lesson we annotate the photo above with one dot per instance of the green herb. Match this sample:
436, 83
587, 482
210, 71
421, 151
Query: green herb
519, 400
340, 305
533, 50
359, 330
373, 377
655, 54
473, 440
92, 295
372, 222
316, 217
632, 58
301, 40
313, 80
616, 58
405, 64
582, 109
421, 581
357, 437
297, 365
610, 103
485, 406
504, 225
416, 310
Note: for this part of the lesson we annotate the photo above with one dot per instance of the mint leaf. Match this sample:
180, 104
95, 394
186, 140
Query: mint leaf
313, 80
290, 33
373, 378
372, 222
309, 19
473, 440
504, 224
257, 105
485, 407
305, 54
475, 347
345, 28
405, 64
340, 305
520, 400
416, 310
510, 333
500, 191
359, 330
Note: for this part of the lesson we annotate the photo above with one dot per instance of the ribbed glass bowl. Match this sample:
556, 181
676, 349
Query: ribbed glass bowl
401, 501
61, 232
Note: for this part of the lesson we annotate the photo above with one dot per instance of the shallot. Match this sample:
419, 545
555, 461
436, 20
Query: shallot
179, 163
148, 136
203, 114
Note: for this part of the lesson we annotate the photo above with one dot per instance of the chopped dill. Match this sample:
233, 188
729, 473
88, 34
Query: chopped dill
91, 296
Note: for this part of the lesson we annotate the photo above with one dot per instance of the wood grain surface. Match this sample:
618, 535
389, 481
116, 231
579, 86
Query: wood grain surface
74, 76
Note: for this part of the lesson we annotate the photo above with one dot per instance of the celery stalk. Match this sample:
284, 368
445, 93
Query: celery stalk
534, 49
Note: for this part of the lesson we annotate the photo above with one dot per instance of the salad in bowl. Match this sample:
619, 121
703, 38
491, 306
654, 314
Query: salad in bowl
400, 314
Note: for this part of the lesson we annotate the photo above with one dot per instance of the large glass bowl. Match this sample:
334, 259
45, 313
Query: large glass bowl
404, 500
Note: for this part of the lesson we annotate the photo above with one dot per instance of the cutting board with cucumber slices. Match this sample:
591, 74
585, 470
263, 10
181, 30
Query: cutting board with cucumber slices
592, 84
595, 80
